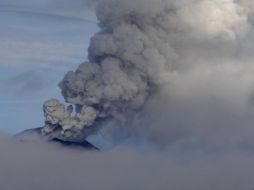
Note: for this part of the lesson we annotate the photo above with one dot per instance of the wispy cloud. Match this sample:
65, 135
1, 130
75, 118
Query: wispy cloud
44, 34
27, 83
80, 9
41, 54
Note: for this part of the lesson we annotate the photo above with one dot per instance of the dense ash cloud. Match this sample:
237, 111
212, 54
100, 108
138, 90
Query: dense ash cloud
163, 70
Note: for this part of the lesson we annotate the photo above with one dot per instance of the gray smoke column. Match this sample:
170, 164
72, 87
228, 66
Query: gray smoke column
144, 46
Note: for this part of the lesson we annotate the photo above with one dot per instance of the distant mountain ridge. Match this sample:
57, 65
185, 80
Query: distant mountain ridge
33, 135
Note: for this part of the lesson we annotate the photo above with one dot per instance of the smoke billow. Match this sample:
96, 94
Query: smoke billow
164, 69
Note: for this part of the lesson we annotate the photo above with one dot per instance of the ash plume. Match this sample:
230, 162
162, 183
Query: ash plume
176, 74
148, 49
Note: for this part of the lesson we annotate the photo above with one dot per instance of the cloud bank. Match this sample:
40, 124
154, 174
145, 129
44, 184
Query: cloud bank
41, 166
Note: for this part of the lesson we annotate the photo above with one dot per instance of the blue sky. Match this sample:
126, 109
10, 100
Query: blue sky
39, 42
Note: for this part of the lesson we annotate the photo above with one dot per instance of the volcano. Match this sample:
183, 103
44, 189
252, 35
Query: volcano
35, 135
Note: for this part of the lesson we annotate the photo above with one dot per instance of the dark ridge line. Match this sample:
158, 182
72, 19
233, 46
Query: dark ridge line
84, 144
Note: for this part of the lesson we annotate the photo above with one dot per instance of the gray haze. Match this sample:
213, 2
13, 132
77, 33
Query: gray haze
40, 166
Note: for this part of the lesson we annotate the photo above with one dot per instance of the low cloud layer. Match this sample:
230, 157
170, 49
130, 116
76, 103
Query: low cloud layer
41, 166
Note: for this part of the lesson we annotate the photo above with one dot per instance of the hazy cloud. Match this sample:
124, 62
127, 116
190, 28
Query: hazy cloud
40, 54
28, 82
42, 166
80, 9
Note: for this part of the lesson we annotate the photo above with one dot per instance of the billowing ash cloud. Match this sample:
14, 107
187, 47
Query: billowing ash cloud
190, 61
177, 74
